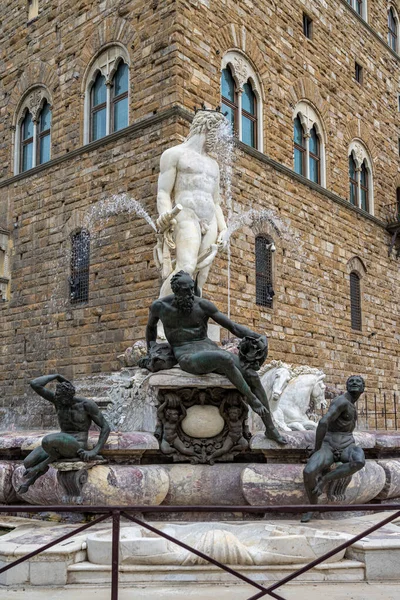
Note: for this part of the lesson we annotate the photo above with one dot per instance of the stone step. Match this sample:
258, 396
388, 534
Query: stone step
89, 573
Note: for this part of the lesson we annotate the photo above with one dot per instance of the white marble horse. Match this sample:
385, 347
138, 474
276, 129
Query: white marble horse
305, 389
274, 378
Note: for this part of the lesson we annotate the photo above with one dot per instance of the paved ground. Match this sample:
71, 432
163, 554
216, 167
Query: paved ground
350, 591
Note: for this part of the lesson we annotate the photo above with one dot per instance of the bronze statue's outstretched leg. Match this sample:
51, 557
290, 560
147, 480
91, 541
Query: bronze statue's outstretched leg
55, 446
317, 463
253, 380
222, 362
353, 460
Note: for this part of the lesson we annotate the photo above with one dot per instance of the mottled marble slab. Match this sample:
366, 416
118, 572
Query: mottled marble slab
118, 441
304, 440
176, 378
279, 484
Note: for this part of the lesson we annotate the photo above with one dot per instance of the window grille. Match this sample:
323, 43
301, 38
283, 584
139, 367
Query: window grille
355, 301
80, 259
264, 283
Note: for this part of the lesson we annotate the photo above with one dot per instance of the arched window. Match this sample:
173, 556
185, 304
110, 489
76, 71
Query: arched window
229, 97
33, 131
249, 116
359, 6
98, 108
355, 301
309, 143
27, 142
80, 260
353, 181
392, 29
106, 86
299, 147
44, 137
315, 161
264, 271
241, 98
364, 192
120, 97
360, 177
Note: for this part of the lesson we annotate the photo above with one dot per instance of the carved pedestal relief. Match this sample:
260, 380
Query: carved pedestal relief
202, 426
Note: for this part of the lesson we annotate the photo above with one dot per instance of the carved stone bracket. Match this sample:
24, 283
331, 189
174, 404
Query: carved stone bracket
34, 103
72, 476
241, 70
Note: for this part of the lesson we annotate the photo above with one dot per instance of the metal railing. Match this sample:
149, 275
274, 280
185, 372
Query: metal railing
375, 411
116, 512
379, 412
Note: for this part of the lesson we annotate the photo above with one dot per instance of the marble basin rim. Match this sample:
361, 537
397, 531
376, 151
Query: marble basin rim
250, 543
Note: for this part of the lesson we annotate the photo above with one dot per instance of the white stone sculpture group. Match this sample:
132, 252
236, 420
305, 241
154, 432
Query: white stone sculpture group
293, 392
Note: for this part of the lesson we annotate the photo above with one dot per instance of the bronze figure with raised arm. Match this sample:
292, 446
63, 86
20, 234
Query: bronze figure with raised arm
334, 443
185, 317
75, 416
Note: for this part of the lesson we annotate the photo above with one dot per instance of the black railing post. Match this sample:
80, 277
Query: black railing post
385, 408
366, 412
116, 516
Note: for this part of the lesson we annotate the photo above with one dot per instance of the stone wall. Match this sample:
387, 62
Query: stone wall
175, 51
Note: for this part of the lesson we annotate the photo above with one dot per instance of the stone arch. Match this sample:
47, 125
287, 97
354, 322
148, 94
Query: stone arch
357, 265
112, 30
75, 223
305, 89
234, 36
266, 229
356, 129
36, 74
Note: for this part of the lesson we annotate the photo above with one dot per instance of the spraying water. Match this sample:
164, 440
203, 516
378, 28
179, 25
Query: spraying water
225, 151
115, 205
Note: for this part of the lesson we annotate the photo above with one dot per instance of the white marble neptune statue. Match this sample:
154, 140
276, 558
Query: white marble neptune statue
191, 220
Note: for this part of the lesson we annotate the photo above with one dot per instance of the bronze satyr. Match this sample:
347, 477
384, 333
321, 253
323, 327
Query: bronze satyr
75, 416
334, 443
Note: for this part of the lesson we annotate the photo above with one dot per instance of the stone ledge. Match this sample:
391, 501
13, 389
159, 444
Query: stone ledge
176, 378
305, 440
134, 442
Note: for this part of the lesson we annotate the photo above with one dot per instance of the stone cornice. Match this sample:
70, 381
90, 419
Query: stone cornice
4, 231
109, 139
370, 29
177, 111
314, 186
